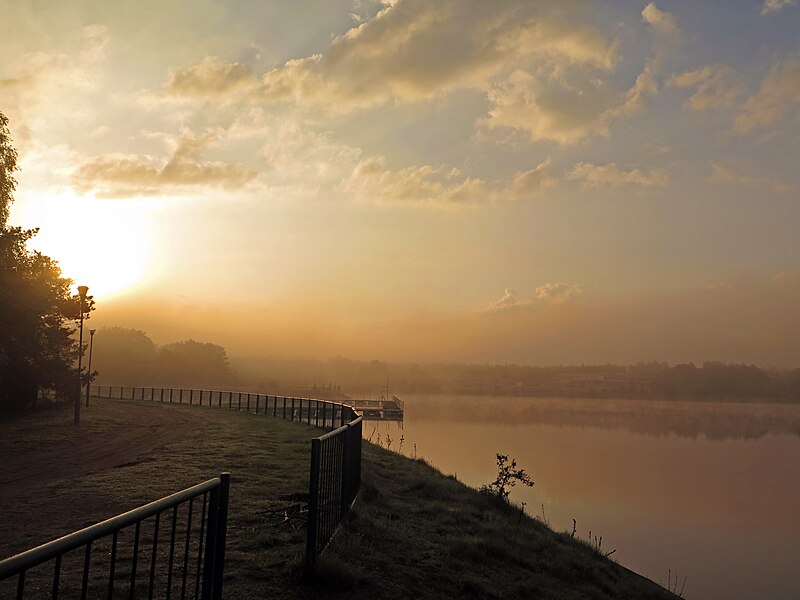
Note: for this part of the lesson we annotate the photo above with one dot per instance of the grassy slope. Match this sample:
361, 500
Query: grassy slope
413, 532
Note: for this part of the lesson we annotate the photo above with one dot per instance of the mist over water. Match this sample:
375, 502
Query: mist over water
708, 490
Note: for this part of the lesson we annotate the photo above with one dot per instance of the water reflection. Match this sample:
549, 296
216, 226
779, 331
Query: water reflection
709, 490
712, 420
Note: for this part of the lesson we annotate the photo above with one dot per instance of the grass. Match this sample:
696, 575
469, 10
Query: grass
413, 532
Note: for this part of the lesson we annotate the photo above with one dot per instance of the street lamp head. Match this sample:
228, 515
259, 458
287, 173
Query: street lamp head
91, 331
82, 289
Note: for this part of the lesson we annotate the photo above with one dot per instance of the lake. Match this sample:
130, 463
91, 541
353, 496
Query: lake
707, 491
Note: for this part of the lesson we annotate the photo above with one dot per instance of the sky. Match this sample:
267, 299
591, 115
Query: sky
513, 181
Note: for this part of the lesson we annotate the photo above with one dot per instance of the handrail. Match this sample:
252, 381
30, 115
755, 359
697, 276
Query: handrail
213, 527
336, 432
36, 556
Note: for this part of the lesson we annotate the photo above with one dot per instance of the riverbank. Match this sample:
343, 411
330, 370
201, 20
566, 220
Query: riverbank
412, 533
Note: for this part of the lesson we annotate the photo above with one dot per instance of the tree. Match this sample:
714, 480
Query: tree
36, 308
128, 356
195, 363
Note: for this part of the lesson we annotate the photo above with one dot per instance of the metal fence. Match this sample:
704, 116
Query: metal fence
196, 571
334, 484
320, 413
335, 476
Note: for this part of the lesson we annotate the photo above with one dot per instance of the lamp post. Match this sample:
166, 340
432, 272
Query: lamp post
82, 289
89, 374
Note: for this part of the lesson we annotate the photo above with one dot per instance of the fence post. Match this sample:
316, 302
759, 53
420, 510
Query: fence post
215, 540
292, 408
345, 491
284, 409
313, 508
248, 401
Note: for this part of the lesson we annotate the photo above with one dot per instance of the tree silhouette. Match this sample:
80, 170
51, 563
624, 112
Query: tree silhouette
37, 311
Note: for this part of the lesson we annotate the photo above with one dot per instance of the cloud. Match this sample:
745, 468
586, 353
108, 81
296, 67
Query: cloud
415, 50
715, 87
125, 175
787, 279
666, 38
35, 78
554, 110
508, 300
558, 293
726, 175
545, 294
773, 6
610, 174
778, 95
211, 78
571, 104
372, 181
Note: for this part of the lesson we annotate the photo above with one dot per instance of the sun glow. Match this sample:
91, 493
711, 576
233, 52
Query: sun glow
105, 245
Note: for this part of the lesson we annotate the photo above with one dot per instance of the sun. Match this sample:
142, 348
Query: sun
103, 244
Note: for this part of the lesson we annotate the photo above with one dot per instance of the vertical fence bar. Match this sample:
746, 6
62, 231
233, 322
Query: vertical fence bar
200, 545
284, 408
186, 548
292, 408
248, 401
87, 557
313, 508
222, 524
154, 553
57, 576
135, 559
211, 544
172, 550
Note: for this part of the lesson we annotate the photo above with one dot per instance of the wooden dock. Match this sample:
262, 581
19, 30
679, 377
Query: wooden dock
381, 409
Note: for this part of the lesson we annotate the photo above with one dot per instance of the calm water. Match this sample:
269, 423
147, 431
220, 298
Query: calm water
708, 490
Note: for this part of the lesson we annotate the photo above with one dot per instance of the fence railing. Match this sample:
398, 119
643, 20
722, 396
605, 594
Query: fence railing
335, 476
197, 572
334, 484
320, 413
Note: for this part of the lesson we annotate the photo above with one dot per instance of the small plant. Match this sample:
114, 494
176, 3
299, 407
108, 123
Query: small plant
508, 475
414, 456
673, 586
545, 521
388, 442
402, 439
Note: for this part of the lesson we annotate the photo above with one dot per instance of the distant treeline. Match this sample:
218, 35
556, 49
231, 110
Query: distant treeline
711, 380
129, 357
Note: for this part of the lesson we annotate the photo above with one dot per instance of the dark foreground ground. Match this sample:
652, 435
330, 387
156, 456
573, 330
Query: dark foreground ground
413, 532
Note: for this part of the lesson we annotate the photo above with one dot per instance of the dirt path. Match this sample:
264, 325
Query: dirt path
102, 441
